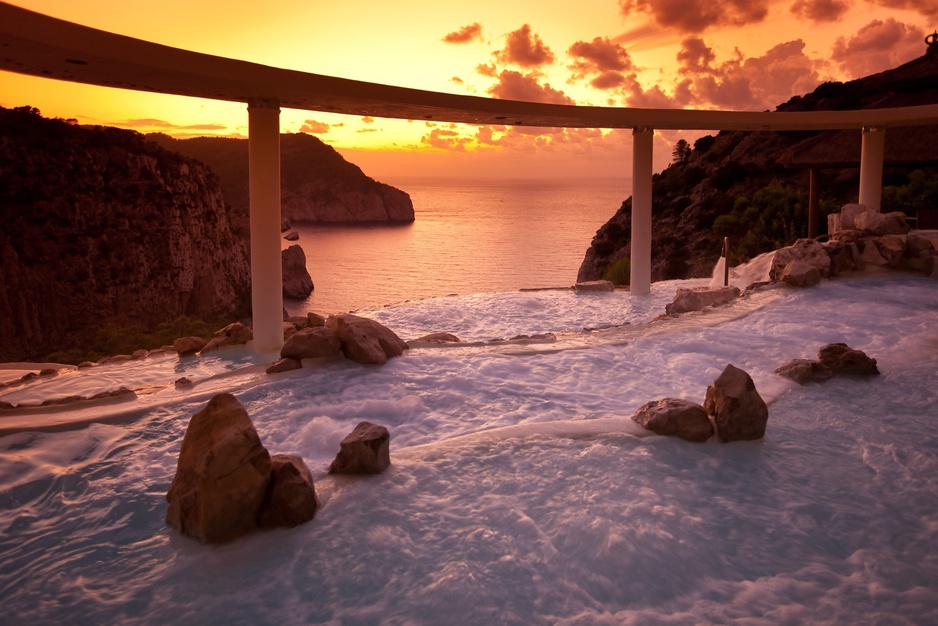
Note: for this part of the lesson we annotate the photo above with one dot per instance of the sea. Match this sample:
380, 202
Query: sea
476, 236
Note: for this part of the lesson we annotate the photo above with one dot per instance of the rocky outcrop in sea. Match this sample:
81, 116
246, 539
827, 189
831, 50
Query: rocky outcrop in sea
317, 183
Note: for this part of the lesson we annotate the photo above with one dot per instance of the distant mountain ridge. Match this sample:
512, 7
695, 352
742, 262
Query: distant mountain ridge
317, 183
736, 184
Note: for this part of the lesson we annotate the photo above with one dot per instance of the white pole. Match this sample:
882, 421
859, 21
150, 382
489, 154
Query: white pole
642, 170
264, 184
871, 167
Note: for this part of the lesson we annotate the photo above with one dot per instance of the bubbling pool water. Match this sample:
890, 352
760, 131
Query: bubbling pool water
520, 492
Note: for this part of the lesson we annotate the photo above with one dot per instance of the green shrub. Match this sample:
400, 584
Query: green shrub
619, 272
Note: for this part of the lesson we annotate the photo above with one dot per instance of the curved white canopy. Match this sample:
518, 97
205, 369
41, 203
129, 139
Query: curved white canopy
36, 44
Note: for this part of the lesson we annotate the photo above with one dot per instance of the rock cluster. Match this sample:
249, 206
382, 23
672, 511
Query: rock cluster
226, 484
833, 359
737, 411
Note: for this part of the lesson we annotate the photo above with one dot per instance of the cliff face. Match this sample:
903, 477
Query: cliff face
736, 184
102, 229
317, 184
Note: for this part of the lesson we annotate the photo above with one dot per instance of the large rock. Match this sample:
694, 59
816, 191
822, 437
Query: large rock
291, 496
364, 340
882, 223
312, 343
805, 371
185, 346
800, 274
234, 334
805, 250
297, 283
841, 359
739, 412
697, 299
891, 248
675, 417
222, 475
365, 450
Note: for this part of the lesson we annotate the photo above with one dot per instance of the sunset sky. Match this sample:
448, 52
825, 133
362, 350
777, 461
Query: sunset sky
728, 54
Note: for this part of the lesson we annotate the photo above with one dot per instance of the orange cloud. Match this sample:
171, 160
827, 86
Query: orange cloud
524, 48
694, 16
878, 46
314, 128
157, 123
465, 34
517, 86
925, 7
820, 10
607, 62
445, 140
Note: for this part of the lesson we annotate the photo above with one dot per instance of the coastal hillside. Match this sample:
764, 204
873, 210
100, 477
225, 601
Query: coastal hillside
317, 183
753, 186
104, 232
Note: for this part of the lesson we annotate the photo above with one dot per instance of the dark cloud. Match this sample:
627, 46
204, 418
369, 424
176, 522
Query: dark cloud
313, 127
605, 61
524, 48
878, 46
694, 16
517, 86
925, 7
465, 34
756, 83
695, 56
820, 10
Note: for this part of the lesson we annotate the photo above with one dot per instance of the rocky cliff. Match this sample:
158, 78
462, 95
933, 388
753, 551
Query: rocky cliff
750, 186
102, 230
317, 184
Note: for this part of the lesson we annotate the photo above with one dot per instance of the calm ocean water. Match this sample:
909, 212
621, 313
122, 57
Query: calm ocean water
468, 237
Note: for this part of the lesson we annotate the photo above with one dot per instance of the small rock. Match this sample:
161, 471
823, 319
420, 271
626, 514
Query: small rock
841, 359
284, 365
697, 299
300, 321
439, 338
292, 236
85, 364
139, 354
805, 371
291, 495
593, 286
365, 450
738, 411
675, 417
48, 372
289, 329
183, 382
314, 319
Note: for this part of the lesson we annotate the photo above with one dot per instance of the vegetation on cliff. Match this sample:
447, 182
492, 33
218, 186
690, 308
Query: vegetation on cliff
747, 186
106, 233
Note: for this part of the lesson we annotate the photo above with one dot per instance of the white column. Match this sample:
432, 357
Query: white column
264, 184
871, 167
642, 170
